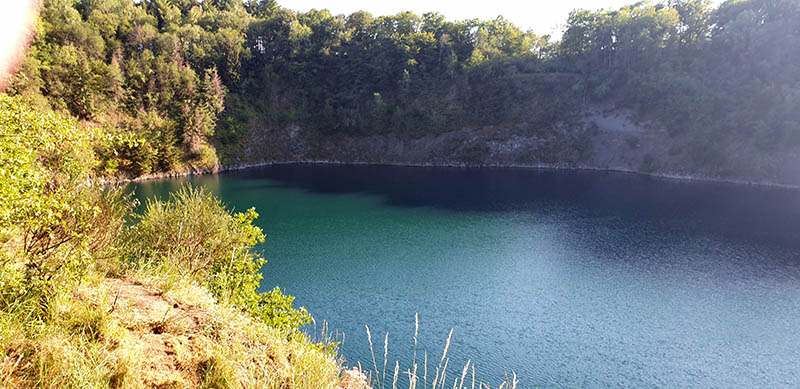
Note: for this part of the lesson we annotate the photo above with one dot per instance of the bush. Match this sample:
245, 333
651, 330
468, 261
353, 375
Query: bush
44, 159
194, 235
48, 202
206, 158
54, 225
56, 222
60, 236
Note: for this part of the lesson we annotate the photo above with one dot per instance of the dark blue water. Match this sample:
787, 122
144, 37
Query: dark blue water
568, 279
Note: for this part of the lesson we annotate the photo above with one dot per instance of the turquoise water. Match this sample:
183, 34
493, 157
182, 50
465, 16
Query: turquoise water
568, 279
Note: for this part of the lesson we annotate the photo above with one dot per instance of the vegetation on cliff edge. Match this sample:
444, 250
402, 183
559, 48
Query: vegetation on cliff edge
90, 300
177, 82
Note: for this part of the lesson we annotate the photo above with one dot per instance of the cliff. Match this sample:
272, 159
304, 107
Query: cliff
600, 138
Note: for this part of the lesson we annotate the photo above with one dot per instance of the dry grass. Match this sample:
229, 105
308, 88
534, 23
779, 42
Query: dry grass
146, 331
129, 334
439, 380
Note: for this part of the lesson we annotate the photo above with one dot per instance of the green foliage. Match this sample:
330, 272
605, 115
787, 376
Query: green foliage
161, 71
276, 310
123, 64
60, 234
57, 224
43, 157
421, 67
45, 162
721, 77
206, 158
195, 235
116, 62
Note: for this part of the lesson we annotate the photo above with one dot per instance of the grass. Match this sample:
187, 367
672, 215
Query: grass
68, 347
439, 380
96, 332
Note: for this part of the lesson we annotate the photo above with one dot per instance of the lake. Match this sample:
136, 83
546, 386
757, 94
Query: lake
569, 279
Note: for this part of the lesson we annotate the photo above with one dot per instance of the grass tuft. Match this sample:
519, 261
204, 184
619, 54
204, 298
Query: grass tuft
440, 378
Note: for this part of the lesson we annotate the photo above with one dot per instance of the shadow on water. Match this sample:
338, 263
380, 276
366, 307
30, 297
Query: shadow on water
726, 210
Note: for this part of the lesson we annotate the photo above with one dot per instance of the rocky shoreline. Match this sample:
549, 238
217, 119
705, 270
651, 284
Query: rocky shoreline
552, 167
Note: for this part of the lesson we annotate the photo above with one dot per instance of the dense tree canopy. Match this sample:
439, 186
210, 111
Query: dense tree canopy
173, 78
730, 73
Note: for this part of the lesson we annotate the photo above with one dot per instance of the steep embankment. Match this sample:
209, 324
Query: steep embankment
179, 338
602, 138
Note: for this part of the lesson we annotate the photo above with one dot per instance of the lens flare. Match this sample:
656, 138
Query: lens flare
17, 18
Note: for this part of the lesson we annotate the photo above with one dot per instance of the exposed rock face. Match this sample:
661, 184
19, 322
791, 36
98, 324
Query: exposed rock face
600, 138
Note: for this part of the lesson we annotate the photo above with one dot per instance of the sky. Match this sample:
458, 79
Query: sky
541, 16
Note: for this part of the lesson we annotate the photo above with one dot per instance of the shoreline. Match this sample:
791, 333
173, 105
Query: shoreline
544, 167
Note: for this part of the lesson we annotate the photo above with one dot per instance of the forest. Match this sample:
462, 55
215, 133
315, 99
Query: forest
176, 83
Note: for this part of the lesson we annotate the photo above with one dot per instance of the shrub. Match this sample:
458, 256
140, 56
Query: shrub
56, 222
44, 159
194, 235
206, 158
48, 202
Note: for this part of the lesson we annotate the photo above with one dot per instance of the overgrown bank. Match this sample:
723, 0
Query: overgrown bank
88, 299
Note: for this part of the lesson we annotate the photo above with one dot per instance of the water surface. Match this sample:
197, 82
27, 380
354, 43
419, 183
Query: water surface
569, 279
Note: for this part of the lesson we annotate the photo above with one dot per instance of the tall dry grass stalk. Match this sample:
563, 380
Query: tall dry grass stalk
426, 369
440, 377
473, 376
396, 371
385, 357
416, 333
372, 351
464, 374
443, 370
413, 376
